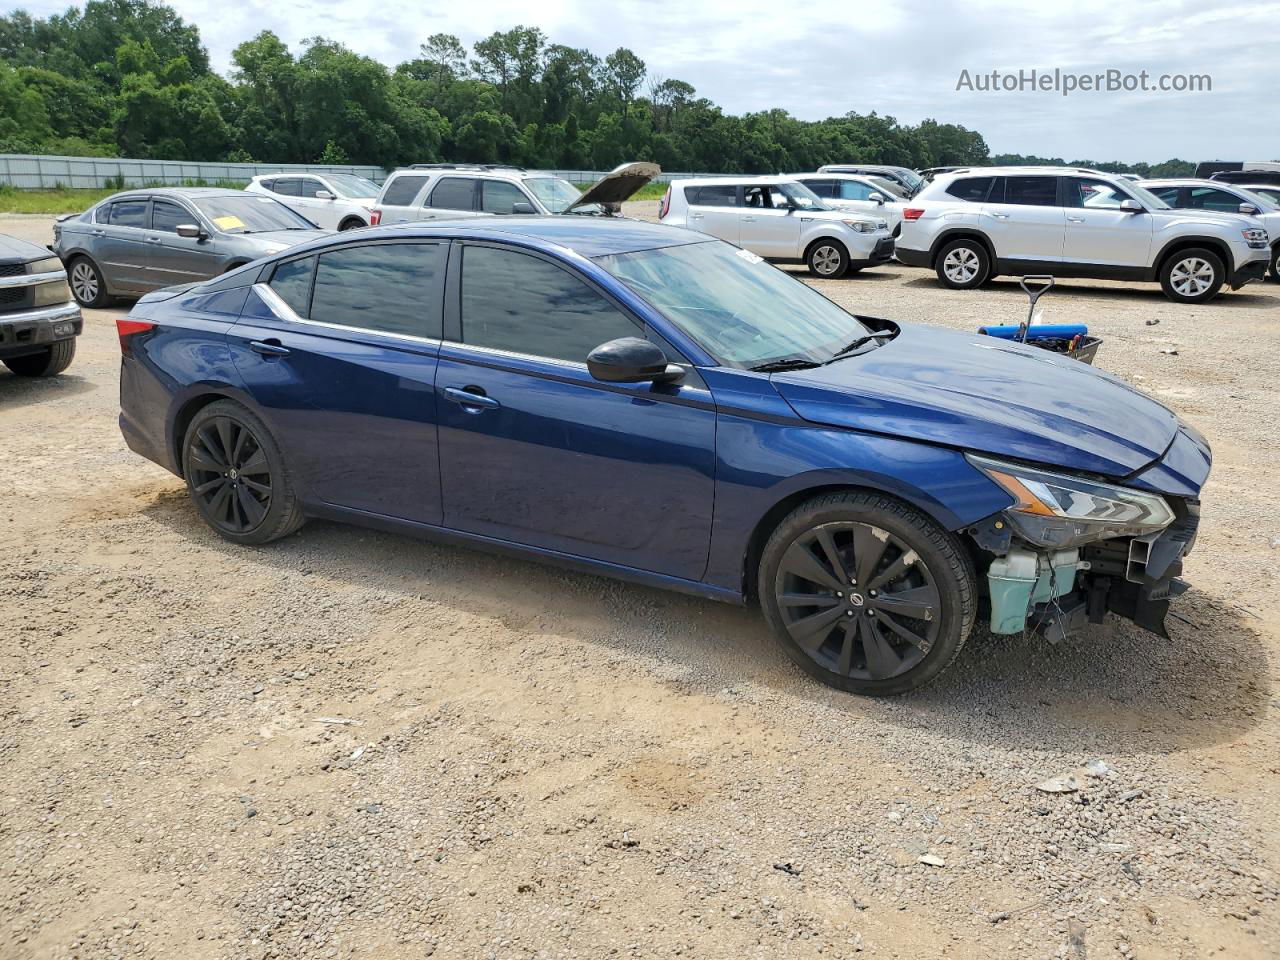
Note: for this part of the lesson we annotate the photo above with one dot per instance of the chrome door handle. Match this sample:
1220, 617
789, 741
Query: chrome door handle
1075, 219
1001, 216
695, 216
748, 219
469, 400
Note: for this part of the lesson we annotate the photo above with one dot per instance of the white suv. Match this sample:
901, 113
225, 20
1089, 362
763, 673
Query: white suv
332, 201
430, 191
1219, 197
780, 220
847, 191
972, 224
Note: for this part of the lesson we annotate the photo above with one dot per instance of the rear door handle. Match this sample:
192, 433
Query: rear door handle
470, 399
269, 348
1075, 219
748, 219
1001, 216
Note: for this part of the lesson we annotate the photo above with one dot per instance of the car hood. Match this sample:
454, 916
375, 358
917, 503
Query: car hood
986, 395
617, 185
14, 250
272, 241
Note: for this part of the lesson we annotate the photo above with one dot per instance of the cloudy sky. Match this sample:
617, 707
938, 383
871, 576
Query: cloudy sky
902, 58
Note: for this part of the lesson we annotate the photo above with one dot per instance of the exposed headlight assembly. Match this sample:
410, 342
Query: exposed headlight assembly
1059, 510
1256, 237
861, 226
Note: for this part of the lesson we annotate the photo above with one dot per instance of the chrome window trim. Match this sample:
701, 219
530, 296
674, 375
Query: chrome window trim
277, 305
515, 354
31, 279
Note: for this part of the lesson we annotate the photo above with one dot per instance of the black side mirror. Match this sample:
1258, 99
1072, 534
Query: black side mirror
631, 360
521, 207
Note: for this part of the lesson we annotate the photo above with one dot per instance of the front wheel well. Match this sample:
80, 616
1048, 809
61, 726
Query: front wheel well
825, 239
1205, 243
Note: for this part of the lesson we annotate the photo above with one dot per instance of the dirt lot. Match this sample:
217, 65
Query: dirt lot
538, 764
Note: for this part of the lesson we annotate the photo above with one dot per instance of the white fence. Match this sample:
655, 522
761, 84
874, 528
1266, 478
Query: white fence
28, 172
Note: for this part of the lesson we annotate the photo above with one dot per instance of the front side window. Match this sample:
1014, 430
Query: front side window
402, 190
1031, 191
383, 287
307, 187
855, 190
782, 196
167, 216
1094, 194
453, 193
1211, 198
247, 213
129, 213
743, 310
292, 283
515, 302
971, 189
498, 196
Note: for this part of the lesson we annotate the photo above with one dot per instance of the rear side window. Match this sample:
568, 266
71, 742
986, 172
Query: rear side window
522, 304
972, 189
292, 282
1031, 191
1094, 194
401, 190
129, 213
384, 287
453, 193
288, 187
711, 196
497, 196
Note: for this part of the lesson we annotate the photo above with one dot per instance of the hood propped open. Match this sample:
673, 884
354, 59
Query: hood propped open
617, 185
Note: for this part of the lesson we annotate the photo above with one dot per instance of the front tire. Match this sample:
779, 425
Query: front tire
352, 223
47, 363
237, 477
963, 264
827, 259
87, 284
867, 594
1275, 265
1192, 276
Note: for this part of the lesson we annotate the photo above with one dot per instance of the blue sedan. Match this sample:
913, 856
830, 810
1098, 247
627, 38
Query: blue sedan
648, 403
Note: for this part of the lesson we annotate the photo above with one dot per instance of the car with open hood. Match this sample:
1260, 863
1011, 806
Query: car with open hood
431, 191
141, 240
654, 404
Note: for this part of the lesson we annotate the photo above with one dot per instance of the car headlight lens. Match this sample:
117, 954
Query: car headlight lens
1056, 509
45, 266
861, 226
48, 294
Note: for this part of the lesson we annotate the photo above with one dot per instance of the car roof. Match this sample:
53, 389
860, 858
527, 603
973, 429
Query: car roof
189, 192
732, 181
1197, 181
1050, 171
587, 236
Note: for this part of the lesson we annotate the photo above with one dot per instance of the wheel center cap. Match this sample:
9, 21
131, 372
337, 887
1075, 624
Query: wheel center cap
855, 599
234, 475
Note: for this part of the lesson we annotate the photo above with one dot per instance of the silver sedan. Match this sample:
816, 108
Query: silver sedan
141, 240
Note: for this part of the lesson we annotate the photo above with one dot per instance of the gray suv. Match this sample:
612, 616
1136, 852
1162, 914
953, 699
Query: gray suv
141, 240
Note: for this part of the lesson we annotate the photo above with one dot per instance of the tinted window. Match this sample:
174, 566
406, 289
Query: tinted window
292, 281
823, 188
1094, 194
401, 190
453, 193
307, 187
166, 216
288, 187
129, 213
1209, 198
497, 196
712, 196
853, 190
1168, 194
1031, 191
267, 184
972, 189
387, 287
520, 303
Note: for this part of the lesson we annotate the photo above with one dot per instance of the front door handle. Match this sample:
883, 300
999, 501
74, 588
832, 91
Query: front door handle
1075, 219
269, 348
1001, 216
748, 219
470, 399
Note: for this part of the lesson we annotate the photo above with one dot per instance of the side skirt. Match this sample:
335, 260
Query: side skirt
427, 531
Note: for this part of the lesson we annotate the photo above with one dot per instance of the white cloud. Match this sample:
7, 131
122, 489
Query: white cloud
901, 58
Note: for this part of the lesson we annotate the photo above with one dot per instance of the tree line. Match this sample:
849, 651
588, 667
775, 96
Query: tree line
131, 78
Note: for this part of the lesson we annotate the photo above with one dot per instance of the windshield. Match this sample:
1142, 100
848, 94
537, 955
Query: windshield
553, 193
1146, 197
912, 179
249, 214
1271, 193
349, 185
744, 311
1258, 198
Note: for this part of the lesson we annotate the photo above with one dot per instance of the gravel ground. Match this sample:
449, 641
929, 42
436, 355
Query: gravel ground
351, 744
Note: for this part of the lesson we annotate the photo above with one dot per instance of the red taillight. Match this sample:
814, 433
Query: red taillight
912, 213
127, 328
666, 204
375, 217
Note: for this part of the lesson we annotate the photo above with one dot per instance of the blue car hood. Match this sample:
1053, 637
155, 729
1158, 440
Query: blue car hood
986, 395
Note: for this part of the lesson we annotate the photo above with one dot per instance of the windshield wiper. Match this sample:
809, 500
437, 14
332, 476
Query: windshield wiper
861, 341
788, 363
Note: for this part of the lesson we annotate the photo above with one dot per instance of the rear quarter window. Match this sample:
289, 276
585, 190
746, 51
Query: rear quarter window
393, 288
400, 191
972, 189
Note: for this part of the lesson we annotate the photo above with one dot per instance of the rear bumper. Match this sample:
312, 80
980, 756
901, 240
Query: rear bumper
30, 331
912, 258
1253, 271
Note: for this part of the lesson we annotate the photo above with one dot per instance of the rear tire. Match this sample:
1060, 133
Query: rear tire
237, 477
866, 593
1194, 275
47, 363
1275, 265
352, 223
86, 282
827, 259
963, 264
